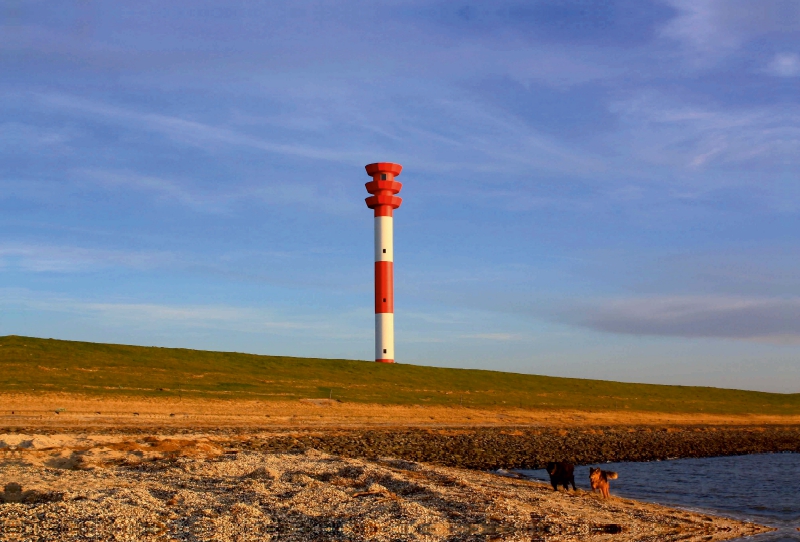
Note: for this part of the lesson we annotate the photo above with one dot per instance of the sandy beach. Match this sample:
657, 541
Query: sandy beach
198, 487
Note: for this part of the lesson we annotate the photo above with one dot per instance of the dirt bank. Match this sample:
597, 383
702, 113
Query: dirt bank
62, 411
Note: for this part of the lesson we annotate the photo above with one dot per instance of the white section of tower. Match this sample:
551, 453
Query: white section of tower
384, 321
384, 335
384, 239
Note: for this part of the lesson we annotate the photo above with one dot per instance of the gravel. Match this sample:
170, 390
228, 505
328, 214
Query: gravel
233, 487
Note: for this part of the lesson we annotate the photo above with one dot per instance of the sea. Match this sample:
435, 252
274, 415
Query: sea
763, 488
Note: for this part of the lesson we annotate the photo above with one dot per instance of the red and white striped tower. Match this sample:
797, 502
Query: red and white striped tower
383, 200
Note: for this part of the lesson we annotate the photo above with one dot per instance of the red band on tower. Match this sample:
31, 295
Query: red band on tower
384, 290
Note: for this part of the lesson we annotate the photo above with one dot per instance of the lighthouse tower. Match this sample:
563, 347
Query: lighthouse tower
383, 201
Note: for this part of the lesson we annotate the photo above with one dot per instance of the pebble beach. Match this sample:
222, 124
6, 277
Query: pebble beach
202, 487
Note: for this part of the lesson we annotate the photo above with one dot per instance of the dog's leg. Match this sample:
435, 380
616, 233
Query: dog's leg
572, 480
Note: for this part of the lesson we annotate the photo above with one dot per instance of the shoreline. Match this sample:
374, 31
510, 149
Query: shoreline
295, 472
481, 448
531, 448
198, 489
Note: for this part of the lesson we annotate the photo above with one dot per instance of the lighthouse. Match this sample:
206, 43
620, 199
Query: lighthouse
384, 201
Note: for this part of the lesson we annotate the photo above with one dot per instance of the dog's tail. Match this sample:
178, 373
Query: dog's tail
611, 475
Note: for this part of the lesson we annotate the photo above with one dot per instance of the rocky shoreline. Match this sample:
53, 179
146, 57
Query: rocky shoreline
532, 448
349, 484
159, 489
482, 448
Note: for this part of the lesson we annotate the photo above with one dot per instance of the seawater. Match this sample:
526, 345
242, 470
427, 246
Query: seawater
763, 488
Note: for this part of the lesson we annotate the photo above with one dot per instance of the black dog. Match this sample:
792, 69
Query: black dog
561, 474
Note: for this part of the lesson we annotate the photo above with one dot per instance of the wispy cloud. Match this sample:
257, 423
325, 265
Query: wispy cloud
477, 136
661, 131
162, 188
280, 268
712, 29
700, 25
437, 318
61, 259
327, 198
156, 316
19, 137
491, 336
785, 65
189, 315
193, 133
726, 317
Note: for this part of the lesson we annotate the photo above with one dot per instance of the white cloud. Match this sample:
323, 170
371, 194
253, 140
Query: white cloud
699, 26
195, 133
17, 137
241, 318
327, 198
660, 130
163, 188
475, 136
712, 29
158, 317
785, 65
438, 319
491, 336
66, 259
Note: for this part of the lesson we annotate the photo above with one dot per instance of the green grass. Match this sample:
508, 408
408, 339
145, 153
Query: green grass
30, 365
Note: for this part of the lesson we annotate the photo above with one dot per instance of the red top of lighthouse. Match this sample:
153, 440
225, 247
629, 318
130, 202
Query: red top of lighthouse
383, 187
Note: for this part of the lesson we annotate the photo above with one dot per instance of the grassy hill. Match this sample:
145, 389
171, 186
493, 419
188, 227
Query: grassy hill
30, 365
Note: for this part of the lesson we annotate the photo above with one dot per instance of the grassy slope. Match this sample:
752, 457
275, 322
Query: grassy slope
28, 364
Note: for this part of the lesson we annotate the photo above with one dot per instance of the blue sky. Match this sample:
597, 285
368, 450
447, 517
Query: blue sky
603, 189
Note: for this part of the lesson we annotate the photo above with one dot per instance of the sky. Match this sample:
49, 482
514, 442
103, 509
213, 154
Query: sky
592, 188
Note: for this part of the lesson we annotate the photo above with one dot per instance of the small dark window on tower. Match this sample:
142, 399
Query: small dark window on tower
384, 251
383, 176
384, 350
384, 300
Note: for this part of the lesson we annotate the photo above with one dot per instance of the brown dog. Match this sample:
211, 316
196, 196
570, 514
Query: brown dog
599, 480
561, 474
